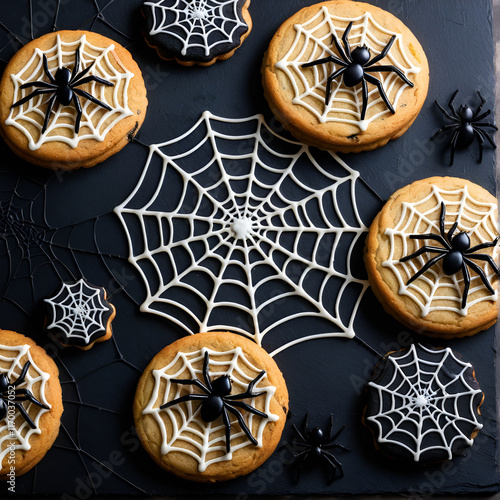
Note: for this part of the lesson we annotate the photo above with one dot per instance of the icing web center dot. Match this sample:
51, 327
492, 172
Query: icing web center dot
241, 228
421, 401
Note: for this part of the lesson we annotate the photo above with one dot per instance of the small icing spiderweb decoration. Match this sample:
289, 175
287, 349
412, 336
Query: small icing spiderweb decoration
189, 434
314, 40
197, 24
251, 241
426, 402
12, 360
478, 219
79, 311
96, 121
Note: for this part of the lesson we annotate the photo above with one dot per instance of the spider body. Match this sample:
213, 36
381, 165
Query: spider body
217, 401
314, 444
466, 126
10, 395
456, 254
355, 67
63, 88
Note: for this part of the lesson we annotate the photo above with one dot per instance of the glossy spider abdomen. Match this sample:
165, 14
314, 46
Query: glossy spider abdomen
4, 383
453, 261
212, 407
64, 92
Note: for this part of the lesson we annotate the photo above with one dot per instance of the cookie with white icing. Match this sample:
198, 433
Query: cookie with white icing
71, 99
30, 404
423, 404
345, 76
196, 31
211, 407
431, 257
79, 314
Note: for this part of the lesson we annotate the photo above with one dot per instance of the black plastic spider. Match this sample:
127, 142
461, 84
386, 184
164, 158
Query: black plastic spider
63, 89
17, 396
466, 125
456, 254
356, 66
315, 445
217, 400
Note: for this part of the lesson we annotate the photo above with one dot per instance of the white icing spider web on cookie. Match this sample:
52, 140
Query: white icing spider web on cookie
478, 219
96, 121
253, 241
205, 441
313, 41
202, 24
12, 361
427, 404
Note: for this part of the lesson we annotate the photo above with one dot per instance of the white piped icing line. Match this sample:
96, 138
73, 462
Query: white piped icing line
478, 219
206, 440
79, 311
242, 221
420, 403
12, 361
96, 121
313, 41
202, 24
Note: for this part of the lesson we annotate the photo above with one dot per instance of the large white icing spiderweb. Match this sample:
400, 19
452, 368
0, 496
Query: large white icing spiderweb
314, 40
17, 436
234, 227
478, 219
96, 121
202, 24
428, 403
79, 311
205, 441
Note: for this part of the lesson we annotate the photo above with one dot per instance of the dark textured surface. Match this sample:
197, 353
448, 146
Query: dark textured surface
97, 440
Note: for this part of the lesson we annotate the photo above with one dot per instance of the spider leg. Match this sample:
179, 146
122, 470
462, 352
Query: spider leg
481, 246
325, 60
241, 421
453, 144
364, 93
25, 395
299, 434
335, 445
378, 83
466, 275
78, 107
451, 105
452, 231
453, 117
44, 85
425, 267
24, 414
47, 71
334, 464
299, 463
329, 84
480, 136
305, 425
431, 236
52, 100
481, 274
33, 94
346, 53
387, 68
206, 372
182, 399
22, 376
485, 135
330, 427
93, 78
384, 52
75, 81
485, 124
486, 258
338, 433
444, 129
189, 381
249, 392
92, 98
247, 407
76, 67
227, 424
422, 250
476, 118
478, 110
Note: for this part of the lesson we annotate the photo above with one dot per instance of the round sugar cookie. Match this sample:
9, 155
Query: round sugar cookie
211, 407
198, 33
423, 405
30, 404
52, 78
430, 256
344, 42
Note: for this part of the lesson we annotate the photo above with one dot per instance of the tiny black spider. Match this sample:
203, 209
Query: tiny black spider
63, 89
466, 126
356, 66
456, 253
17, 396
217, 400
315, 445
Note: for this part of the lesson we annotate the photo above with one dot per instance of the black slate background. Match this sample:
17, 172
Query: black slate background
323, 376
